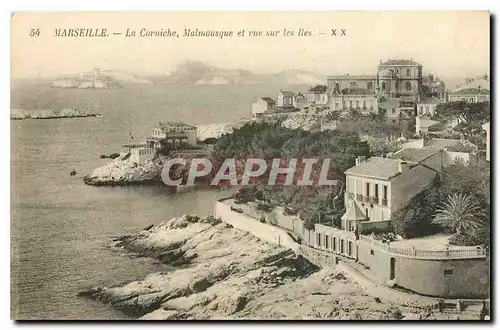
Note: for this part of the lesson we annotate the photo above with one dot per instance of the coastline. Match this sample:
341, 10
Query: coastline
226, 273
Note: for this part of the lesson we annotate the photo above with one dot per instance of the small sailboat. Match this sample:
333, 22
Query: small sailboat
72, 173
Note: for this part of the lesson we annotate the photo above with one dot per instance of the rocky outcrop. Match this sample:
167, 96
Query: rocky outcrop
208, 131
50, 114
122, 171
225, 273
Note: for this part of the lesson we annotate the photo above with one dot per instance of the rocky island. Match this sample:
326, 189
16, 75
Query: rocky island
50, 114
225, 273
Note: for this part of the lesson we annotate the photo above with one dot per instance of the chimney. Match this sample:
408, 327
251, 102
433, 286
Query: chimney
403, 166
360, 159
426, 140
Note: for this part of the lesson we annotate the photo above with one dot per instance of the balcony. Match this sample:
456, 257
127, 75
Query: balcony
367, 199
350, 196
374, 200
384, 202
359, 197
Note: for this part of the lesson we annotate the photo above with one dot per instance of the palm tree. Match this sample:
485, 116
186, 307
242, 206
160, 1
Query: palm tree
460, 213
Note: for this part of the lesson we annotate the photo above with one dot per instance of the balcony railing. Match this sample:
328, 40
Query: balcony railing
367, 199
456, 253
359, 197
384, 201
350, 196
374, 200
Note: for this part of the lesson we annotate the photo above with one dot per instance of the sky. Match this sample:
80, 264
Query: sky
447, 43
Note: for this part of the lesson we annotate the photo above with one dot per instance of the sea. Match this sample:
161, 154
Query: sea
60, 227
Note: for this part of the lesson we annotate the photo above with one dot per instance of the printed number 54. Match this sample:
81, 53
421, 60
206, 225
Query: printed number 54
35, 33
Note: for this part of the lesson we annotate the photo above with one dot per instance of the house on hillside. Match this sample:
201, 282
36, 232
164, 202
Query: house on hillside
285, 99
317, 95
377, 187
263, 105
299, 101
470, 95
359, 99
172, 135
427, 105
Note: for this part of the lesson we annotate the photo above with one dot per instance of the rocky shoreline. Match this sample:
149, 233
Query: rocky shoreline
121, 172
20, 114
224, 273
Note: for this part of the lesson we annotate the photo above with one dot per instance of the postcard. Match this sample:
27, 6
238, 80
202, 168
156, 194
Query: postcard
314, 165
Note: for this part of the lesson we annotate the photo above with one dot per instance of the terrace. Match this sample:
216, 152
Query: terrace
428, 247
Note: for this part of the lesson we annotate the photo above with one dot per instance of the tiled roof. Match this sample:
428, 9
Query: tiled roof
318, 88
353, 212
400, 62
471, 91
357, 91
376, 167
172, 124
268, 100
287, 93
413, 154
430, 100
407, 98
354, 77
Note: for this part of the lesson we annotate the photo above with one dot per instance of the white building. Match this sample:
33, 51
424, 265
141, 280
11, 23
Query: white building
470, 95
285, 99
174, 135
317, 95
139, 153
377, 187
263, 105
427, 106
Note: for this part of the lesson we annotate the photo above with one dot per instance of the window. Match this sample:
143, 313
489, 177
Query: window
353, 84
385, 192
376, 190
369, 85
326, 241
408, 72
384, 85
408, 86
396, 85
420, 110
357, 104
372, 253
318, 239
366, 213
393, 111
448, 272
364, 104
350, 104
341, 246
367, 189
334, 243
336, 105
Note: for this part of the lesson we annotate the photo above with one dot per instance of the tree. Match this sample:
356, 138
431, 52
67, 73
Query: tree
415, 219
460, 214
